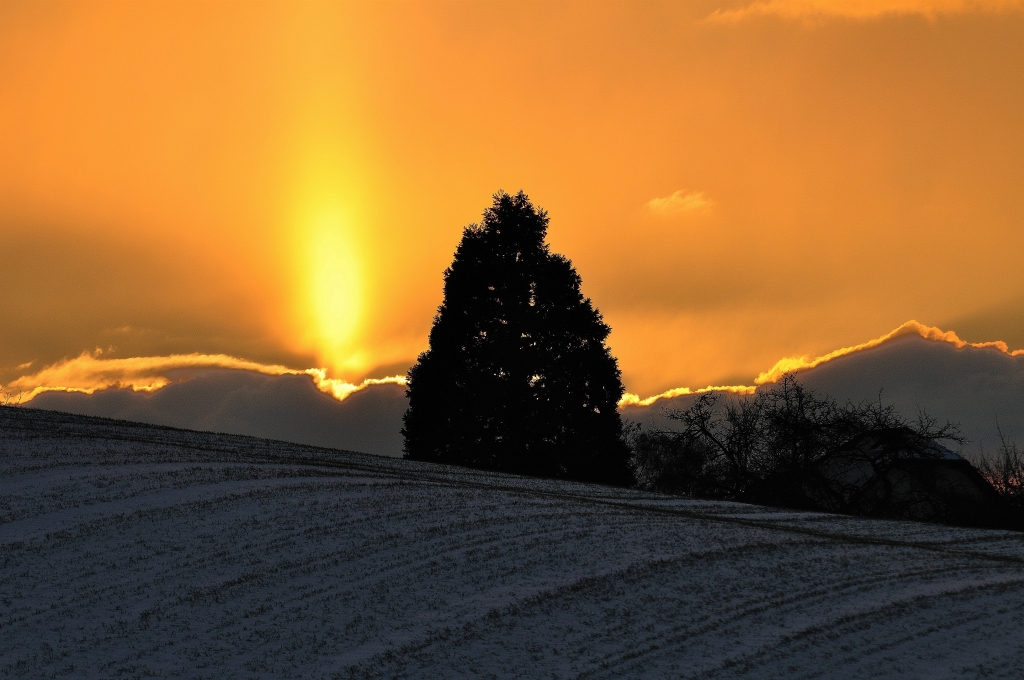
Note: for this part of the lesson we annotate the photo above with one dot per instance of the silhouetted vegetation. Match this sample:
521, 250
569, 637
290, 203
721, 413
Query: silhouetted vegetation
518, 377
1005, 473
790, 447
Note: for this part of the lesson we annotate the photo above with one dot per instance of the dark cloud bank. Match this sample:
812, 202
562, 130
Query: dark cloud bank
975, 387
287, 407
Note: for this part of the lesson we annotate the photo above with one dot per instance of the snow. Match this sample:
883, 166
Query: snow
138, 551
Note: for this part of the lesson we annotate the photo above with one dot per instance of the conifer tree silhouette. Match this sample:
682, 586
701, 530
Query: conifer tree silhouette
518, 377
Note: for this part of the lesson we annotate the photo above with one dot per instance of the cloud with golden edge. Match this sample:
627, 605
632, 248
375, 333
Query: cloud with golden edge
792, 364
339, 389
630, 399
88, 372
681, 202
862, 9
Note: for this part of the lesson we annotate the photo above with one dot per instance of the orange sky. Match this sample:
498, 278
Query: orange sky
736, 182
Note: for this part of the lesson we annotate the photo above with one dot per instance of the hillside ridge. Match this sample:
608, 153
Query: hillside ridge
133, 550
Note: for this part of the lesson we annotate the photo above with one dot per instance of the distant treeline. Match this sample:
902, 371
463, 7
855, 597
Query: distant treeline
790, 447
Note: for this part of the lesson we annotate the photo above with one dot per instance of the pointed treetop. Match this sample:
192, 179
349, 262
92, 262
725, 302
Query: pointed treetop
513, 217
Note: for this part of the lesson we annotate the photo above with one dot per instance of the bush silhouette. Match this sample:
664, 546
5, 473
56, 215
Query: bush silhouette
518, 377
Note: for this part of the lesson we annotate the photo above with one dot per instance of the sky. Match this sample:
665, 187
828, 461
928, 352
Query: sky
278, 187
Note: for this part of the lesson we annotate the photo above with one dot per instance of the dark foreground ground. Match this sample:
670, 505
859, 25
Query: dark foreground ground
137, 551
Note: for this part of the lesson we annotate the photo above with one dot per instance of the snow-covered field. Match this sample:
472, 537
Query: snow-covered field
137, 551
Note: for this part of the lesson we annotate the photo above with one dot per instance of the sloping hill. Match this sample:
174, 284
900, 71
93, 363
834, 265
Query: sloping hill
137, 551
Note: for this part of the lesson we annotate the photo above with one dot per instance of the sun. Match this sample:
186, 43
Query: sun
331, 291
325, 231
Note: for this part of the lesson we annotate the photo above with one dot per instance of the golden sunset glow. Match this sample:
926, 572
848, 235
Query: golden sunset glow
744, 186
332, 276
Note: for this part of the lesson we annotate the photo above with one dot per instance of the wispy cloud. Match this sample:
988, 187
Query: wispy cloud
861, 9
681, 202
89, 372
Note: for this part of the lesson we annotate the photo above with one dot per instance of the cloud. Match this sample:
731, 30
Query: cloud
915, 365
977, 385
861, 9
681, 202
287, 407
794, 364
803, 363
630, 399
89, 372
